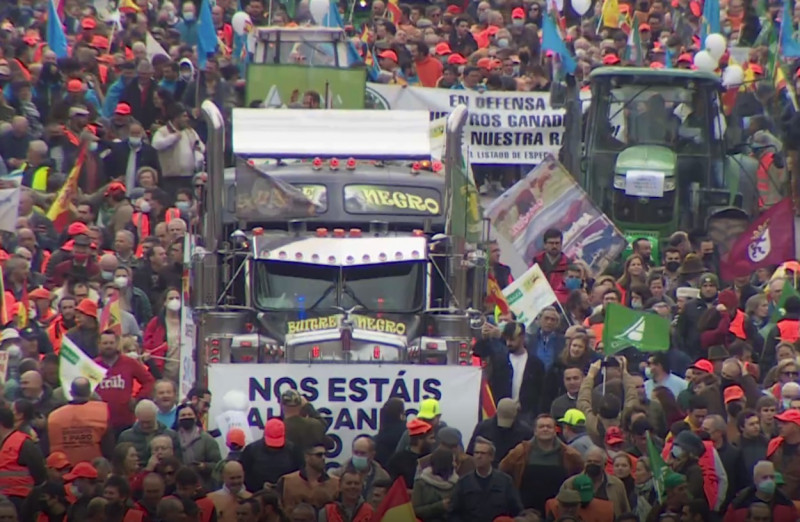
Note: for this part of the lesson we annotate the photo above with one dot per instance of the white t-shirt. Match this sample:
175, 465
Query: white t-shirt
518, 362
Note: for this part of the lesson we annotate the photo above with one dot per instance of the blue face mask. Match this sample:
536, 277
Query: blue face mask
677, 452
572, 283
767, 486
648, 372
360, 463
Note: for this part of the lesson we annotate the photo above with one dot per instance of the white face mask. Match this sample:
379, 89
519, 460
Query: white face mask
174, 305
121, 282
144, 206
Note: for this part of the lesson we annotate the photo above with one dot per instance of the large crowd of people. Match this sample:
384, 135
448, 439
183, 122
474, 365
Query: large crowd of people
575, 434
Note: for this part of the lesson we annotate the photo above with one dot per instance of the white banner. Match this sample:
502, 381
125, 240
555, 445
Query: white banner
187, 371
529, 295
349, 396
73, 363
503, 127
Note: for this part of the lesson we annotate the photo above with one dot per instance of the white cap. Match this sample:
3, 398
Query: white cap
9, 334
687, 292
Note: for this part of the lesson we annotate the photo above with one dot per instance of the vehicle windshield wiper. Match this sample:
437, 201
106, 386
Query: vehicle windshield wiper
325, 294
628, 102
349, 291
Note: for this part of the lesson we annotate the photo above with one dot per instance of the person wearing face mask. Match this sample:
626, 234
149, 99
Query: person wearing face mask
199, 450
162, 334
763, 490
363, 461
133, 299
187, 25
81, 487
131, 154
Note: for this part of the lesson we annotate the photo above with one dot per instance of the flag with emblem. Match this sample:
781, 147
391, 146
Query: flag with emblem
73, 363
768, 241
393, 12
644, 331
494, 295
488, 406
111, 317
59, 212
658, 468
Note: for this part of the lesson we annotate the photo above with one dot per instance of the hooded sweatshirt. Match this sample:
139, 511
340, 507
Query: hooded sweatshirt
117, 388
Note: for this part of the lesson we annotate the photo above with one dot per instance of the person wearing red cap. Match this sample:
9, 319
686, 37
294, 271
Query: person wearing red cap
81, 486
85, 335
404, 463
781, 451
88, 25
267, 460
81, 266
389, 63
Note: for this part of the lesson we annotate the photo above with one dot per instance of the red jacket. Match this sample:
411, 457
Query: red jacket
64, 269
783, 509
117, 388
154, 340
556, 276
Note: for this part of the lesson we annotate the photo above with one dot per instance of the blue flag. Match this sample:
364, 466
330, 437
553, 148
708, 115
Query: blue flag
790, 48
206, 34
334, 19
667, 58
552, 41
710, 23
56, 39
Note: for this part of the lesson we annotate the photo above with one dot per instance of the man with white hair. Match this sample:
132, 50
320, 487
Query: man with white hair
763, 490
145, 429
36, 168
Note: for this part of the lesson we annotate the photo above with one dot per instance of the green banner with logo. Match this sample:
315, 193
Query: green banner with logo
623, 327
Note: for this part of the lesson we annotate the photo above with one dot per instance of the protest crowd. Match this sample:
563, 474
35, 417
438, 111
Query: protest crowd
102, 143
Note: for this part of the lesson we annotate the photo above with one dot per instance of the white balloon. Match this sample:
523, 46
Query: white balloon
733, 76
705, 62
235, 400
716, 45
319, 9
239, 22
581, 6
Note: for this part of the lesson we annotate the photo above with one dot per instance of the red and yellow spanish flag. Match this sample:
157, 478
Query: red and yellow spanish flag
129, 6
495, 295
59, 212
24, 308
488, 406
6, 305
111, 317
396, 505
393, 12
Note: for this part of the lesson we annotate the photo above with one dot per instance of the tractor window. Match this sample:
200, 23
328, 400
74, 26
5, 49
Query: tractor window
636, 114
317, 53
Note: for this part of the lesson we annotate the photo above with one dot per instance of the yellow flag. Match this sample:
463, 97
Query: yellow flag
610, 14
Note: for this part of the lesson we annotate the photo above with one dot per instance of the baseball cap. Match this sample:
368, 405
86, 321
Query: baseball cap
442, 49
583, 485
77, 228
568, 497
756, 68
78, 111
573, 417
709, 278
82, 470
275, 433
418, 427
9, 334
291, 397
673, 480
123, 109
686, 57
429, 409
733, 393
88, 23
389, 55
74, 85
116, 186
449, 436
57, 460
644, 27
456, 59
99, 42
87, 307
789, 416
40, 293
518, 13
506, 412
614, 436
704, 365
611, 59
235, 436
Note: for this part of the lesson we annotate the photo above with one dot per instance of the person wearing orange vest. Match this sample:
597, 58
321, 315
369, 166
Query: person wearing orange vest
787, 329
117, 492
22, 465
141, 223
351, 506
62, 322
81, 428
187, 486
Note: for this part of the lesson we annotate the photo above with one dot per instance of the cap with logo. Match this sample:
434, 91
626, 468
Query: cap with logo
584, 486
291, 397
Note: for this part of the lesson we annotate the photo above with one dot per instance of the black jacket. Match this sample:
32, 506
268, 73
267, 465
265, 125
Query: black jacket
264, 464
504, 439
501, 375
386, 441
116, 162
470, 502
145, 111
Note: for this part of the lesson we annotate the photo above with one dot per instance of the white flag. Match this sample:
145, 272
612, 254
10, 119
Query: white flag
529, 295
73, 363
9, 209
153, 47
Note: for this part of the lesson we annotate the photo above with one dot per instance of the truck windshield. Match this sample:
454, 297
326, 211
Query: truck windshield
635, 114
319, 53
390, 288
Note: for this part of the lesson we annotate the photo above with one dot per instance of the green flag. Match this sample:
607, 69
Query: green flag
658, 467
624, 327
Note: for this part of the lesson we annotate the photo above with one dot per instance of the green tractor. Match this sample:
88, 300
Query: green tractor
650, 149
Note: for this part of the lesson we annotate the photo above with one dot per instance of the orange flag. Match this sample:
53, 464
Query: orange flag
396, 505
111, 317
59, 212
488, 406
393, 12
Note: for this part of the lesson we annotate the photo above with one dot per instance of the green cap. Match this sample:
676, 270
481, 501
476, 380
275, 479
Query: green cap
779, 481
673, 480
584, 486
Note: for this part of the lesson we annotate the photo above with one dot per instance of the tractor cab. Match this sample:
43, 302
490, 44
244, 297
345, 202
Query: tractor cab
654, 153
